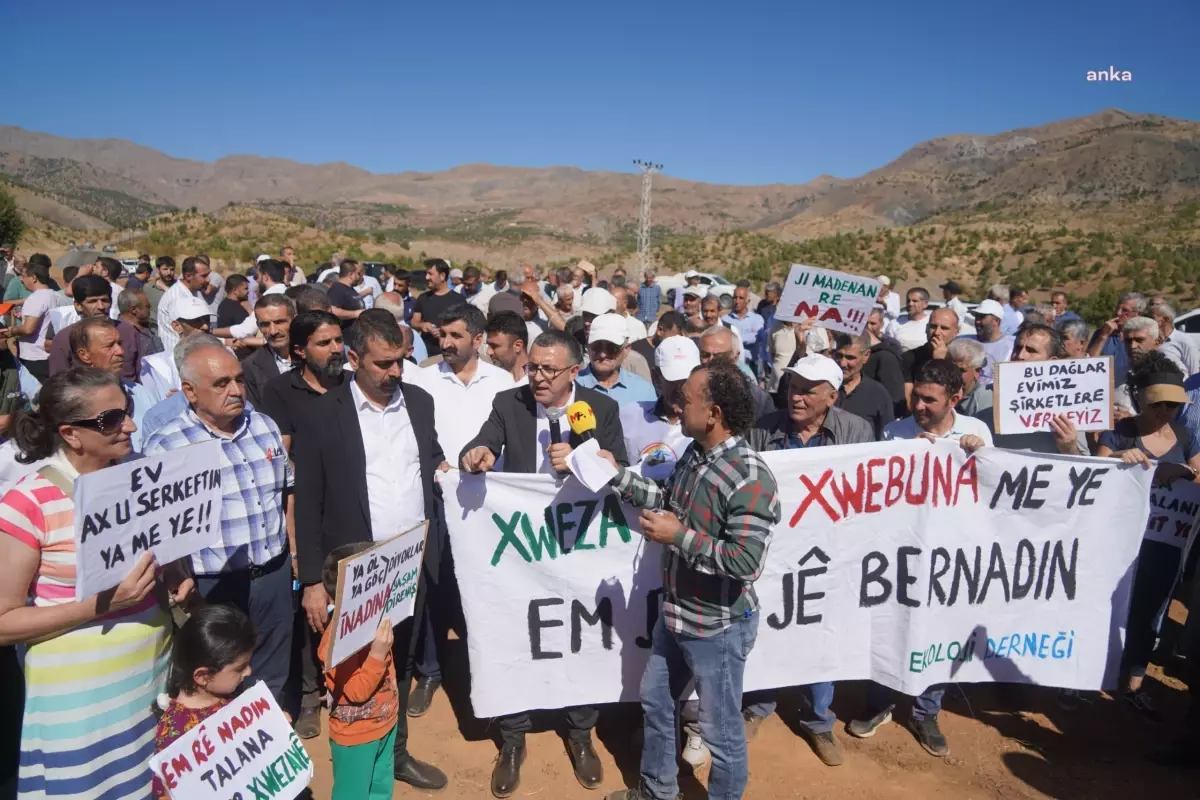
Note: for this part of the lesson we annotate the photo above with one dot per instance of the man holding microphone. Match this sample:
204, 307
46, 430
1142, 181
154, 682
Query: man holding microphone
713, 515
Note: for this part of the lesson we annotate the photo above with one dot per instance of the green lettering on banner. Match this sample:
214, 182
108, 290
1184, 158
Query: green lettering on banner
508, 537
613, 517
544, 540
562, 524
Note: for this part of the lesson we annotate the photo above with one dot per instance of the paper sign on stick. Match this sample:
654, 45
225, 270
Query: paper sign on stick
1029, 393
169, 505
378, 581
835, 300
247, 749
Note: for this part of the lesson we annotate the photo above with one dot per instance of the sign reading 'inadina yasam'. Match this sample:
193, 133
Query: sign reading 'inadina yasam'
907, 563
833, 300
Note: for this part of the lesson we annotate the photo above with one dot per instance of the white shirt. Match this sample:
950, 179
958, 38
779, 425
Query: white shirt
459, 410
910, 333
166, 314
159, 374
963, 425
114, 312
325, 274
543, 433
482, 297
1179, 348
249, 326
376, 290
653, 442
298, 278
891, 306
394, 493
63, 317
533, 330
41, 304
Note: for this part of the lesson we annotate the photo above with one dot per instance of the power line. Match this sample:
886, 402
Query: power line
643, 244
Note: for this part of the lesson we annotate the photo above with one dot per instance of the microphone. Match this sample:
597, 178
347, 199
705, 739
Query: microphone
581, 419
553, 415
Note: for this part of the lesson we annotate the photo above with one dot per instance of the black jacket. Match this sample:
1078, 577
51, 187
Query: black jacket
884, 365
511, 429
259, 369
332, 508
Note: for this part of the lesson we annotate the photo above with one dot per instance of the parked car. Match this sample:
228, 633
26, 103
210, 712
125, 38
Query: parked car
1189, 324
130, 265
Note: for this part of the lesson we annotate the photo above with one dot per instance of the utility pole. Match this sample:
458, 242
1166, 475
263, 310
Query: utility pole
643, 244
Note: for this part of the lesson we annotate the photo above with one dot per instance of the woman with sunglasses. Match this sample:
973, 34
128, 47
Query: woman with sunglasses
93, 668
1152, 438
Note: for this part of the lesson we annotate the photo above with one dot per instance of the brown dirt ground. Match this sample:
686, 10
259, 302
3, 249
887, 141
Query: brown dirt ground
1005, 742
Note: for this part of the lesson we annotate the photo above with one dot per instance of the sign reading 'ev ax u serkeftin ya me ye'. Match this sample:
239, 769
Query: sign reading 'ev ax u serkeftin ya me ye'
833, 300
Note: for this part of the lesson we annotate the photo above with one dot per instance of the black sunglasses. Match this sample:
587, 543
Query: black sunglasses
1169, 405
106, 422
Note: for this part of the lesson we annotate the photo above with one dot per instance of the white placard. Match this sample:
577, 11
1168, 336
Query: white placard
245, 750
589, 468
378, 581
1173, 511
168, 504
834, 300
1028, 393
903, 562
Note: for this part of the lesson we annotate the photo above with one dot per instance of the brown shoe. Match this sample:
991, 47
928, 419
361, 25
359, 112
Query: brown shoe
588, 769
827, 747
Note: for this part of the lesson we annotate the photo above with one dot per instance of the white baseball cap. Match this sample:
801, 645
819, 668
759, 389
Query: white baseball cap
989, 308
598, 301
691, 273
818, 368
262, 258
456, 273
699, 290
609, 327
676, 357
191, 307
885, 280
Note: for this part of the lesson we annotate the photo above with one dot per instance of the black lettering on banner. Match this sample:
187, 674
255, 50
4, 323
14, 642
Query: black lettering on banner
874, 574
1021, 487
935, 574
904, 578
1081, 482
996, 571
537, 624
802, 577
963, 571
1025, 552
772, 619
603, 615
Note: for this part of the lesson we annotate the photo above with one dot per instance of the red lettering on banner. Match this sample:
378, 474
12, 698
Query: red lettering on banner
967, 476
814, 494
850, 497
831, 314
909, 497
895, 481
803, 309
942, 476
873, 486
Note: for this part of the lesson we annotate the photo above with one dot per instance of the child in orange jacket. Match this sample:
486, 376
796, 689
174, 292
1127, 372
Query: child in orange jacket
364, 706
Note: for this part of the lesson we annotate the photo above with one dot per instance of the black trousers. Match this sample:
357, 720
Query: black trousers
580, 721
404, 648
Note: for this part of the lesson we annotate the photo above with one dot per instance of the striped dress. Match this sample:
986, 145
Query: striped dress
88, 731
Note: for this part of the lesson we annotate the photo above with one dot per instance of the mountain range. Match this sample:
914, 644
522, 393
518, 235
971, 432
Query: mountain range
1065, 172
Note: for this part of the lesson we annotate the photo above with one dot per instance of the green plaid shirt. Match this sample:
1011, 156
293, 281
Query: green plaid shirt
728, 502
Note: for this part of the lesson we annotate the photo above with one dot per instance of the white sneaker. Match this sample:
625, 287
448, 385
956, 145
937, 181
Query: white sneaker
696, 752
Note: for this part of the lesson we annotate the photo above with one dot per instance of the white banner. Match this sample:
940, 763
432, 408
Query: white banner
1028, 393
378, 581
246, 750
1173, 512
837, 301
169, 505
903, 562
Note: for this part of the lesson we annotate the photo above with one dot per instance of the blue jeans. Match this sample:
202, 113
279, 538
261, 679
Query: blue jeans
925, 706
819, 717
717, 663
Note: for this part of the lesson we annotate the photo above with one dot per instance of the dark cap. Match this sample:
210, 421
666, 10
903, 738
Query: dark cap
951, 286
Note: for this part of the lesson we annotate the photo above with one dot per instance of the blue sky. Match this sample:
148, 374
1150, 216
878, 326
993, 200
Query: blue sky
736, 92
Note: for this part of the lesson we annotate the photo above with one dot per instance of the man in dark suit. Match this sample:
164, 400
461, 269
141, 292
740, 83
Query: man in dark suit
274, 313
519, 430
366, 453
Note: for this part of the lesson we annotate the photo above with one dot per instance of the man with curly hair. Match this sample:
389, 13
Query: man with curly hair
713, 515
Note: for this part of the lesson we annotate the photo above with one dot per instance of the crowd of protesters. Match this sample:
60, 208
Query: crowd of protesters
337, 397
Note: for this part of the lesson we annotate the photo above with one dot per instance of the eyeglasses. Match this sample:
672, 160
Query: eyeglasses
550, 372
106, 422
1167, 405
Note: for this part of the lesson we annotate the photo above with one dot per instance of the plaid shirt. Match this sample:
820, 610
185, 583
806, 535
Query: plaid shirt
254, 472
728, 502
649, 301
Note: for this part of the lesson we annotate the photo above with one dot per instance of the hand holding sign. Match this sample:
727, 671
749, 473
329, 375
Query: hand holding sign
132, 589
381, 648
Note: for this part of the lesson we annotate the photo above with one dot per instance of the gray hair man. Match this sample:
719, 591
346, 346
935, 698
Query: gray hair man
1108, 339
1076, 334
969, 356
1175, 344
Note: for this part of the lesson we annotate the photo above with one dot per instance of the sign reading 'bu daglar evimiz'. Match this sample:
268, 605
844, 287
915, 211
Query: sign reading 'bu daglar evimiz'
1028, 394
168, 505
833, 300
907, 563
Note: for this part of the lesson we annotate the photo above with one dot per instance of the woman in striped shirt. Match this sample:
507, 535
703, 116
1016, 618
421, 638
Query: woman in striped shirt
94, 667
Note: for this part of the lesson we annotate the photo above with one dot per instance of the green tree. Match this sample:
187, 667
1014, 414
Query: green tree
11, 224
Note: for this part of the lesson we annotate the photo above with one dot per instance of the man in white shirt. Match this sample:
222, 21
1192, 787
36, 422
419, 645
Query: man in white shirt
112, 271
193, 278
635, 327
911, 329
989, 322
271, 274
889, 300
952, 294
937, 388
159, 373
294, 275
461, 385
476, 290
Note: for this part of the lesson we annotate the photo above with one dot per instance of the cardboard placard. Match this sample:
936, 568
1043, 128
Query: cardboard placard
835, 300
1027, 394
